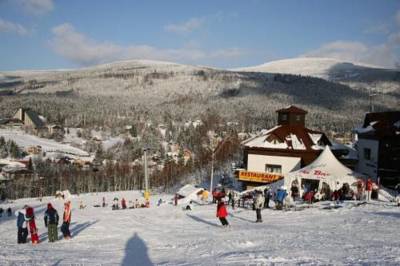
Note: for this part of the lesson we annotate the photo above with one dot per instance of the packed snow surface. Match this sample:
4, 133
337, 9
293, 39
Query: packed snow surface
168, 235
25, 140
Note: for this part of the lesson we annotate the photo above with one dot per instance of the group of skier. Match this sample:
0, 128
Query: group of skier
260, 198
26, 220
124, 205
9, 212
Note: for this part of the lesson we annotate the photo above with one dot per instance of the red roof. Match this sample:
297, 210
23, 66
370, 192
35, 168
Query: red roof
292, 109
283, 134
300, 132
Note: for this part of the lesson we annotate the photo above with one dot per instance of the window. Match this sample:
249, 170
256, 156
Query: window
284, 117
298, 118
367, 154
273, 168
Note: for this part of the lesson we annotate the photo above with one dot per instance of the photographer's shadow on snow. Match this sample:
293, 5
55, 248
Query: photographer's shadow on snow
136, 253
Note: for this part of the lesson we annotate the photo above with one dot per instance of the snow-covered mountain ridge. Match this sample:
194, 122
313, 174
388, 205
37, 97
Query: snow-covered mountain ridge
310, 66
187, 91
353, 74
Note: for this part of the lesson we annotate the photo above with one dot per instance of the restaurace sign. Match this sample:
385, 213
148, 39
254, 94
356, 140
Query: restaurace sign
258, 177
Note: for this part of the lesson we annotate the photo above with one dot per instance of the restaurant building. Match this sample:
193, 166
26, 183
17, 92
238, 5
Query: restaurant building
287, 147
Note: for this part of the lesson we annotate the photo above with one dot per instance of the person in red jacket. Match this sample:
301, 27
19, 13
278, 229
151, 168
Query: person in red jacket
369, 189
222, 213
32, 225
123, 203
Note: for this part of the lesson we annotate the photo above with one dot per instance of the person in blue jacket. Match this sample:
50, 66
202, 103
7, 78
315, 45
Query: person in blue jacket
280, 197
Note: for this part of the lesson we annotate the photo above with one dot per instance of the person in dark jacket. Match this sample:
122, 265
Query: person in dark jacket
51, 222
21, 224
66, 220
230, 197
9, 212
267, 194
1, 212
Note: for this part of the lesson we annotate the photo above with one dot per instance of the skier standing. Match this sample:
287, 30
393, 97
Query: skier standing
222, 212
259, 204
115, 205
234, 199
123, 203
369, 189
280, 197
21, 224
230, 197
51, 221
66, 220
32, 225
104, 202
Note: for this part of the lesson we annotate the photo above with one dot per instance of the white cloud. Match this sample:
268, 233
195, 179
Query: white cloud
383, 55
343, 50
10, 27
82, 50
382, 28
185, 27
37, 7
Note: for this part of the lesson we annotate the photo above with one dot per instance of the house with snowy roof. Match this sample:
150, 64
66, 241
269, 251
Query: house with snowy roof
287, 147
31, 119
378, 147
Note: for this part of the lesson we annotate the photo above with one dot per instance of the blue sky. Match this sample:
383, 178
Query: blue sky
46, 34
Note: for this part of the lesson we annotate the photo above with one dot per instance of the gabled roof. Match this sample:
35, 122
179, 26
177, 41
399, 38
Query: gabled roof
289, 137
35, 118
388, 118
379, 125
292, 109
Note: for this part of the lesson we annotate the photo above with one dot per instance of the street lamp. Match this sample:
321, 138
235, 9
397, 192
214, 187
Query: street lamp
146, 177
214, 151
212, 171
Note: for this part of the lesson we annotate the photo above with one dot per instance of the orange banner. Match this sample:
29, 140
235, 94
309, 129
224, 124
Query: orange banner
259, 177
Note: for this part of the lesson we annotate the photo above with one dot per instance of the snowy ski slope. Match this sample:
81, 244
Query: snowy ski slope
167, 235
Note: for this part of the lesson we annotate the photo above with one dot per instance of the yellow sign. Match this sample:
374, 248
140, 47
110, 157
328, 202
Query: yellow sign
258, 177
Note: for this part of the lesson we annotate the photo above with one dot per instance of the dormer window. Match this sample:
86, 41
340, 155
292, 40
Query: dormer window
284, 117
